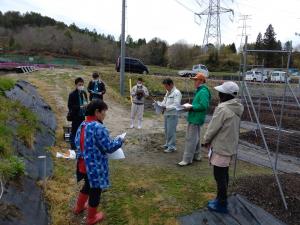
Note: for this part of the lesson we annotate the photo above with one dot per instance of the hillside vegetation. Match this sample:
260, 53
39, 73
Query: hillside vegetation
32, 33
15, 122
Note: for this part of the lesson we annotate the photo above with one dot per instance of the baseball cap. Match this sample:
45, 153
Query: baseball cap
228, 87
199, 76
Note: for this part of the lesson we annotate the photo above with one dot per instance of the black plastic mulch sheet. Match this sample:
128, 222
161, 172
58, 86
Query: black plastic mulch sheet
28, 96
22, 202
241, 212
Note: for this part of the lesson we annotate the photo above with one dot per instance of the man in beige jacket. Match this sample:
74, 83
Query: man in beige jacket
222, 138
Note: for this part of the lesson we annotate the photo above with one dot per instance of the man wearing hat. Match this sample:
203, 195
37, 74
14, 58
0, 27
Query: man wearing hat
139, 92
221, 137
196, 118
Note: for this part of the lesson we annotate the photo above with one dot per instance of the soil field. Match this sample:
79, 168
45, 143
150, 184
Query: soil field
263, 191
289, 142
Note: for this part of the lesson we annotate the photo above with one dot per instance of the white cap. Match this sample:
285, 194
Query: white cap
228, 87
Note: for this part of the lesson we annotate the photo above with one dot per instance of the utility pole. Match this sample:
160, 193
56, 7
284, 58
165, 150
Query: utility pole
212, 33
298, 34
244, 27
122, 59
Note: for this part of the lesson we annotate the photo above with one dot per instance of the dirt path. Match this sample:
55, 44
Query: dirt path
144, 145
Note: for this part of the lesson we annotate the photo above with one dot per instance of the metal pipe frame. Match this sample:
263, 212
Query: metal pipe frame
246, 89
268, 150
293, 93
268, 51
281, 111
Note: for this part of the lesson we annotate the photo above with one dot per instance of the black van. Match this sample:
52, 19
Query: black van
132, 65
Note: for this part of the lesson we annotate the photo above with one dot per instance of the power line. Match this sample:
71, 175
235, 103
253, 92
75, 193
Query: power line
212, 33
244, 19
184, 6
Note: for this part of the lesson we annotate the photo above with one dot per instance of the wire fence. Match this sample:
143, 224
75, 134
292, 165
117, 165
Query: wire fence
7, 58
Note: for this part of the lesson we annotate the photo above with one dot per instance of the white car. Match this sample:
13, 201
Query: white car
196, 69
255, 76
279, 77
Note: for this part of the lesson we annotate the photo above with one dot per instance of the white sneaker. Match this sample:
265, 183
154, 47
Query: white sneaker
139, 124
183, 163
131, 123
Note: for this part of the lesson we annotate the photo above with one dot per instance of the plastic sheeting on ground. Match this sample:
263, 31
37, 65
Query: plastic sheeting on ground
22, 202
28, 96
241, 212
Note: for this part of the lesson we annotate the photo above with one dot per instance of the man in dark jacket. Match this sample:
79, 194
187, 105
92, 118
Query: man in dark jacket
96, 87
77, 103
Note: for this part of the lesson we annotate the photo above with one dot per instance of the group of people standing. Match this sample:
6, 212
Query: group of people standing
172, 99
90, 138
221, 137
78, 101
92, 142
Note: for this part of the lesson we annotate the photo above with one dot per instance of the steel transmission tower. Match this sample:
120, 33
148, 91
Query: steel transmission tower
212, 33
244, 27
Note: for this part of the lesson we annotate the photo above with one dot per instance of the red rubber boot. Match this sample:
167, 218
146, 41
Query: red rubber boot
94, 216
81, 203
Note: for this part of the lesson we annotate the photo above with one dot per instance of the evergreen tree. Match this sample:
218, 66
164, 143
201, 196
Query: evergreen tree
232, 48
259, 46
269, 40
270, 43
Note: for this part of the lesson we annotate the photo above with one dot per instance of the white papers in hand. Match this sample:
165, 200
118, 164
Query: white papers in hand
158, 106
122, 136
184, 106
119, 154
209, 153
70, 154
187, 105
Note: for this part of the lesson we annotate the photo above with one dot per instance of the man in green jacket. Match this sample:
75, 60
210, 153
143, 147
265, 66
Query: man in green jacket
196, 118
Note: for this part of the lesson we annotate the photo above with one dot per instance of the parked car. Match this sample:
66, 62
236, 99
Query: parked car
279, 77
255, 76
294, 72
132, 65
196, 69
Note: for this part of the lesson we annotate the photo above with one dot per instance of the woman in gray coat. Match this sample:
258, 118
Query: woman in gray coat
221, 138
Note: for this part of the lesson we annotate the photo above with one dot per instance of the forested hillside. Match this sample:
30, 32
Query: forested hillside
32, 33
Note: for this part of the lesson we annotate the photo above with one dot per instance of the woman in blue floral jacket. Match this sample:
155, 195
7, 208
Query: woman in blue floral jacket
93, 143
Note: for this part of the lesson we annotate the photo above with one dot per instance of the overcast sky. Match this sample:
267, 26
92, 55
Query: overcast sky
167, 19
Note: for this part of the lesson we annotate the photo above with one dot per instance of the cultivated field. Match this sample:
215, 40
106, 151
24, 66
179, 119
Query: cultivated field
147, 187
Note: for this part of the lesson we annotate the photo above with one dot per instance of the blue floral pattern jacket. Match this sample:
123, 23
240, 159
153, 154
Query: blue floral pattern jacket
97, 144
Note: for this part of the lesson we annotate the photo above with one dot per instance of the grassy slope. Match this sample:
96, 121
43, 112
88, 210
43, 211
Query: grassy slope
11, 111
139, 194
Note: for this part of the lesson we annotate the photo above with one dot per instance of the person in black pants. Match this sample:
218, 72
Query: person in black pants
77, 103
93, 144
222, 138
96, 87
222, 179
